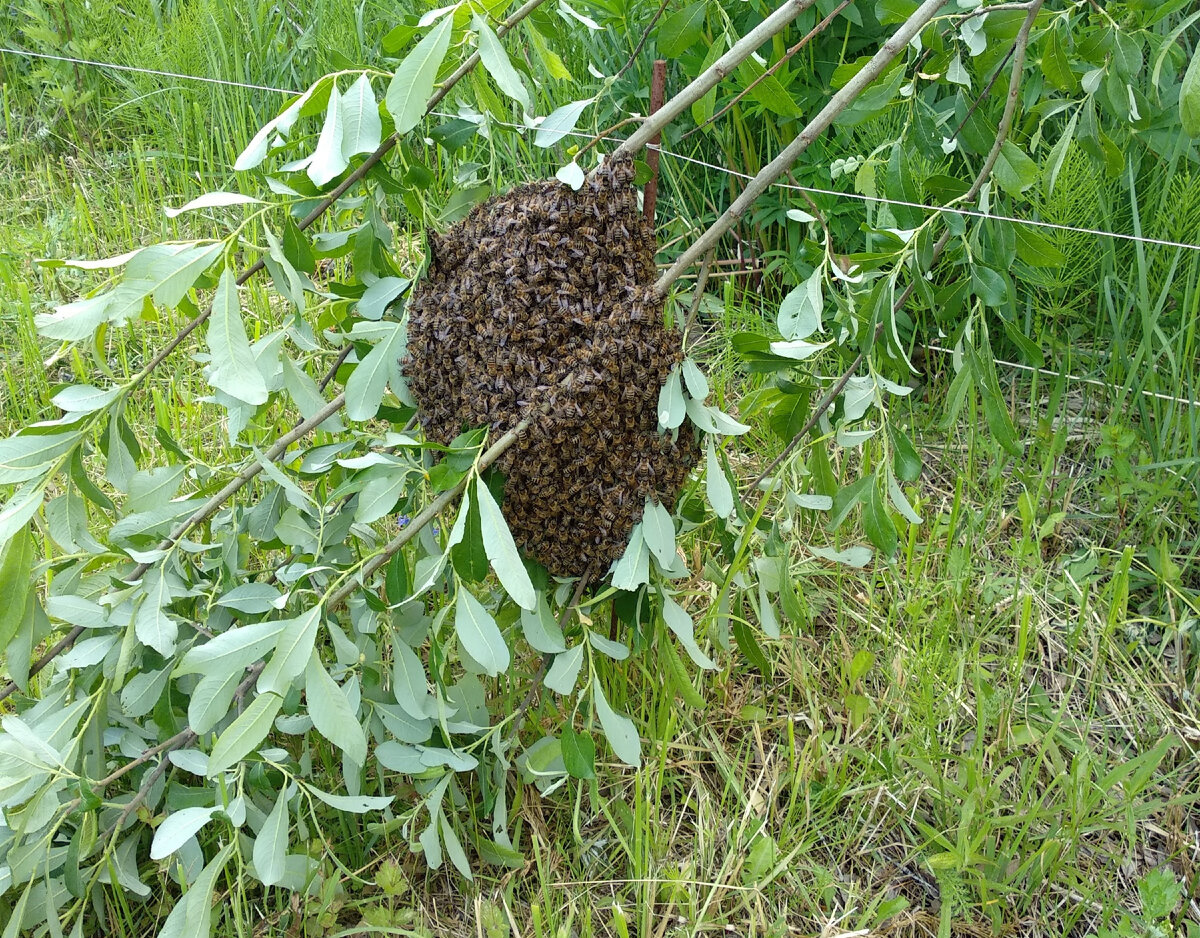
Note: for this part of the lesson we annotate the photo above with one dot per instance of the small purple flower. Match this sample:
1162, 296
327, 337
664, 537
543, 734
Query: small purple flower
436, 530
403, 520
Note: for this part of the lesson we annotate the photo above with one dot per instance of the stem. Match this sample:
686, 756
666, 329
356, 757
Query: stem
778, 166
1010, 108
706, 81
815, 31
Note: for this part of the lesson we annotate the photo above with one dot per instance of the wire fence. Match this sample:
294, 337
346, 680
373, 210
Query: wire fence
809, 190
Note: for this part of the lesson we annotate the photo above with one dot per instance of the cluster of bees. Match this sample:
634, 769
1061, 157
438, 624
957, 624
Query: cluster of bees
535, 285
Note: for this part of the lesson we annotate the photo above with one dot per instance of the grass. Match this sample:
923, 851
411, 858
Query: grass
995, 734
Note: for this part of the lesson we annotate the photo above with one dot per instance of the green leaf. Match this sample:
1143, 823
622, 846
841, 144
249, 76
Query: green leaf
212, 200
702, 110
192, 915
28, 456
209, 702
1036, 250
496, 61
252, 598
409, 683
179, 827
1189, 97
618, 729
501, 550
720, 493
679, 622
331, 714
633, 568
1014, 170
681, 30
362, 129
466, 542
479, 634
379, 295
154, 627
412, 85
995, 410
800, 312
658, 529
671, 406
292, 651
560, 123
232, 650
364, 389
16, 565
579, 754
244, 734
878, 524
355, 804
905, 459
844, 501
564, 672
84, 398
233, 368
454, 849
327, 162
270, 846
541, 630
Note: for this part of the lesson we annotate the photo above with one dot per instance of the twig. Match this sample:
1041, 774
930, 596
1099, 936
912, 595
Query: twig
808, 37
707, 80
698, 291
778, 166
641, 42
1010, 107
531, 694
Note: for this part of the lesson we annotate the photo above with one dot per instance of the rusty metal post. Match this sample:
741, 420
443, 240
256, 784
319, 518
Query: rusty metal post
658, 85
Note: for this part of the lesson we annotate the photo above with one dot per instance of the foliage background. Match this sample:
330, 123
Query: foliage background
994, 731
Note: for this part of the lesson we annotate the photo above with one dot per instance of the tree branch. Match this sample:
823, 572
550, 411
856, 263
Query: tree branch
707, 80
778, 166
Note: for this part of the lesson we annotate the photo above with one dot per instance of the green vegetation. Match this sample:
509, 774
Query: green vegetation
983, 722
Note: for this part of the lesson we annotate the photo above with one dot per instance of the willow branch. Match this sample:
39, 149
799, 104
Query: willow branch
707, 80
214, 504
1010, 108
783, 162
807, 38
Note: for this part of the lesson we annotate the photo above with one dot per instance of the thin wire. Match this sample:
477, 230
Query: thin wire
145, 71
1079, 379
944, 209
947, 209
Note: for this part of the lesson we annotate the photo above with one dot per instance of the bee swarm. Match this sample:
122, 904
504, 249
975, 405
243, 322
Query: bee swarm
535, 285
